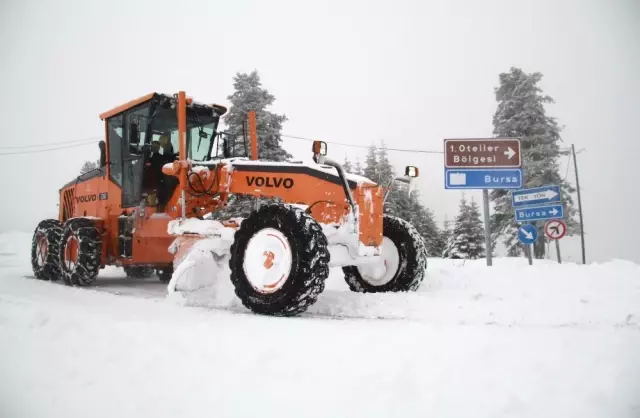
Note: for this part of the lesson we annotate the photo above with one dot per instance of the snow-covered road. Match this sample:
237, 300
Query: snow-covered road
511, 341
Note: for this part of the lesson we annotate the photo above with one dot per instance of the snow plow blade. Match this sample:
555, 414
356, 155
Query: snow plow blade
201, 253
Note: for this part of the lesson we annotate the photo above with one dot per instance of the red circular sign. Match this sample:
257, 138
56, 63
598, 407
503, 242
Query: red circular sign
555, 229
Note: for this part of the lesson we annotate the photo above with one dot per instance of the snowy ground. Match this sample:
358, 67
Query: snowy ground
510, 341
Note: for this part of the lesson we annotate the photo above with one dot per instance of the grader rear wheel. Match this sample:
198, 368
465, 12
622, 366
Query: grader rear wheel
79, 252
279, 260
44, 250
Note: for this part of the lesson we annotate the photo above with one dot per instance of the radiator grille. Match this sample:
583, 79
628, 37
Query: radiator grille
67, 204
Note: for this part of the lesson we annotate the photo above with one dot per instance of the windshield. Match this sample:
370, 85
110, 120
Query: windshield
202, 141
200, 138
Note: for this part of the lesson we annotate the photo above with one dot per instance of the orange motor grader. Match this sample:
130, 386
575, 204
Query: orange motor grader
164, 160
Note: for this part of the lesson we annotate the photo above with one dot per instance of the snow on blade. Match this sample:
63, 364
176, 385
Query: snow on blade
203, 275
201, 260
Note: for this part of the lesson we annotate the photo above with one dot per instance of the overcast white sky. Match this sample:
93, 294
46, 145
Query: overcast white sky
407, 72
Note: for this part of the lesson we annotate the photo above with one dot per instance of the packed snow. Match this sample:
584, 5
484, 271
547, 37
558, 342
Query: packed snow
507, 341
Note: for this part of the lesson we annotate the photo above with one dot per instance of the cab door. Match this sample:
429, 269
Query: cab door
134, 151
126, 134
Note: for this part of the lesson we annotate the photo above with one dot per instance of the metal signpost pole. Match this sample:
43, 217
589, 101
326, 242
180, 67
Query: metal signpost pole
558, 251
527, 235
487, 227
575, 165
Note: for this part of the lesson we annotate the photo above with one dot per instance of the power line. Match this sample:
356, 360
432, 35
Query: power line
45, 150
365, 146
92, 139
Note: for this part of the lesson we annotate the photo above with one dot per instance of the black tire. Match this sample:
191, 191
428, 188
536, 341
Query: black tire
412, 256
139, 272
89, 249
44, 250
309, 261
164, 275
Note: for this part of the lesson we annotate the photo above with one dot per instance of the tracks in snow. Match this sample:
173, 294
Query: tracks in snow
425, 307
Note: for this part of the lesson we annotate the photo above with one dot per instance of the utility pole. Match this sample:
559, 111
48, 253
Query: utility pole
575, 164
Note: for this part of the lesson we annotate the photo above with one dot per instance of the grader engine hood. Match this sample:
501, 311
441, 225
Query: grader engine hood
319, 187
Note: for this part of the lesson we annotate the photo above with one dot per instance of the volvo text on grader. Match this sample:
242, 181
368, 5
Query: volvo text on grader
164, 160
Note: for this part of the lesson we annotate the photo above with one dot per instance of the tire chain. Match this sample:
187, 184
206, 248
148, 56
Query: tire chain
89, 252
312, 258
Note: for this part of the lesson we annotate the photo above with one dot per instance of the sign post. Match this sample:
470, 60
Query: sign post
483, 164
487, 232
554, 230
528, 234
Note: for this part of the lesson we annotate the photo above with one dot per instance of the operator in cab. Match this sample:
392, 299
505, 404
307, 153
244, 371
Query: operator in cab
167, 183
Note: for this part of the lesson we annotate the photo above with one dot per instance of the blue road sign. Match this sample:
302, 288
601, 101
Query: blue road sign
496, 178
540, 213
535, 196
527, 234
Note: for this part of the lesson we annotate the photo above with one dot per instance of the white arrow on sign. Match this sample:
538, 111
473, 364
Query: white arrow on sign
527, 234
547, 194
554, 211
509, 153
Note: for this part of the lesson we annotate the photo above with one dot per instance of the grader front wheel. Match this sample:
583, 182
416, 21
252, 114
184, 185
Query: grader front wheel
279, 260
402, 266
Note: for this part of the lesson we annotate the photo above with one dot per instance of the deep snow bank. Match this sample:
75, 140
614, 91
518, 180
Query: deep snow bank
456, 292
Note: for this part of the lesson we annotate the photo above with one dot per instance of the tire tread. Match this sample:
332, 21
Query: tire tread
309, 270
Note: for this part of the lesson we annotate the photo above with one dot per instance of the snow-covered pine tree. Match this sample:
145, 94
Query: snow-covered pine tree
370, 170
467, 236
357, 168
385, 171
441, 241
89, 166
398, 202
447, 231
422, 218
521, 113
250, 95
346, 165
477, 230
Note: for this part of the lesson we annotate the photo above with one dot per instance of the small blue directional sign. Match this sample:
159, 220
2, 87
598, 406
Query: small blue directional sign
540, 213
535, 196
527, 234
460, 178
